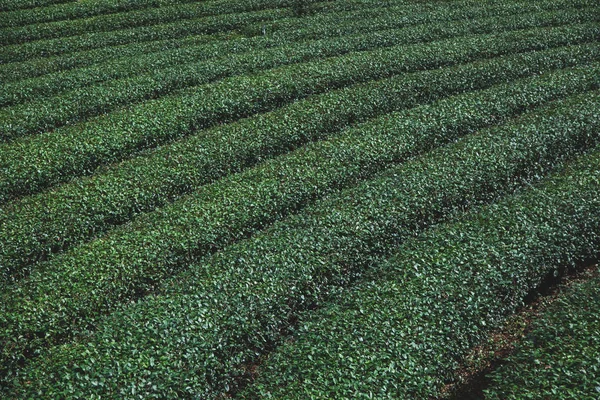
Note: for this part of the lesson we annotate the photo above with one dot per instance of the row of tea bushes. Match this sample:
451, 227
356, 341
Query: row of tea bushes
358, 62
405, 331
75, 10
559, 357
35, 67
173, 63
11, 5
34, 228
139, 18
209, 324
318, 26
93, 40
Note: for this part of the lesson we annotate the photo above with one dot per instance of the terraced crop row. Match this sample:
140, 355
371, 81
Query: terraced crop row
50, 113
241, 96
170, 63
10, 5
212, 24
142, 18
563, 345
318, 26
33, 228
410, 327
45, 65
75, 10
324, 24
135, 259
237, 304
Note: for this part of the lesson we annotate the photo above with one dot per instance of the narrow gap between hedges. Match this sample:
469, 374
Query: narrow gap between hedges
473, 378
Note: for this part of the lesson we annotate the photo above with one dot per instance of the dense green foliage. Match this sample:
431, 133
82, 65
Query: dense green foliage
328, 22
559, 358
36, 227
217, 23
409, 325
227, 198
34, 163
241, 96
178, 75
236, 304
146, 17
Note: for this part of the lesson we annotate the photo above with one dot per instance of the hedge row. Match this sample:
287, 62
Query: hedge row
319, 26
139, 18
49, 113
11, 5
559, 358
34, 228
404, 333
95, 278
45, 65
196, 339
75, 10
34, 89
240, 96
212, 24
178, 12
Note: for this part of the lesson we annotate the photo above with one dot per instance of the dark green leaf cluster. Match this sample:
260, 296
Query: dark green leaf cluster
560, 357
404, 331
171, 30
210, 322
239, 96
334, 19
33, 228
149, 16
177, 65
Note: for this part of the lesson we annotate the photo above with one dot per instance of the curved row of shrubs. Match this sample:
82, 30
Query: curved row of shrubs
197, 338
117, 135
138, 18
33, 228
405, 331
559, 357
75, 10
35, 67
174, 62
172, 30
74, 75
357, 62
12, 5
317, 26
324, 24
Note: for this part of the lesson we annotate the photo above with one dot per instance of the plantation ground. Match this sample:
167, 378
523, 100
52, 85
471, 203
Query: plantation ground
295, 198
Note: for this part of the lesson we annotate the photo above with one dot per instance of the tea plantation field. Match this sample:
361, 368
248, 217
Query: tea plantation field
295, 199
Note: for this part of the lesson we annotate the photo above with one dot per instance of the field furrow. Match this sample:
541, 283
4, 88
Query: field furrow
411, 325
563, 342
34, 228
198, 337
